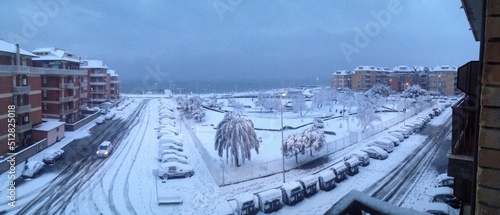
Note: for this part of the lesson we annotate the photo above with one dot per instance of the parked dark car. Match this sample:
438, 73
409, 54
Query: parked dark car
445, 195
52, 157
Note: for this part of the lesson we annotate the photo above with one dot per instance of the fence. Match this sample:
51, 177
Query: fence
370, 131
23, 154
226, 174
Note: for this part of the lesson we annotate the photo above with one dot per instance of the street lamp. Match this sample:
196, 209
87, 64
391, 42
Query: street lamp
282, 139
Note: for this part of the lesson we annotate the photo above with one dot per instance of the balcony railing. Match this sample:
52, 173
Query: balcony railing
67, 85
23, 109
98, 83
18, 90
114, 81
8, 69
98, 92
97, 100
23, 128
83, 95
97, 75
66, 99
84, 83
463, 132
66, 112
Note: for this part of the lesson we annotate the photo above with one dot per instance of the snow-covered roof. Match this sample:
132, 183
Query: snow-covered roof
309, 180
270, 195
367, 68
444, 68
327, 175
342, 72
420, 68
11, 48
56, 54
288, 187
353, 161
48, 126
93, 64
403, 69
112, 73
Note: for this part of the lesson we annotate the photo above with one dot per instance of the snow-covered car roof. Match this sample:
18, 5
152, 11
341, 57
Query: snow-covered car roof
246, 197
438, 207
176, 164
174, 156
309, 180
377, 149
443, 176
352, 162
33, 167
270, 195
52, 154
169, 139
440, 191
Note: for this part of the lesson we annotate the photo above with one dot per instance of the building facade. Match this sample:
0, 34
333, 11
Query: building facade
20, 101
365, 77
60, 83
114, 85
342, 79
443, 79
401, 77
102, 83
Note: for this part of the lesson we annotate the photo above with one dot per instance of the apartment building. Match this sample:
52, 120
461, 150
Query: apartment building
97, 89
443, 79
20, 88
365, 77
403, 76
60, 83
114, 85
341, 79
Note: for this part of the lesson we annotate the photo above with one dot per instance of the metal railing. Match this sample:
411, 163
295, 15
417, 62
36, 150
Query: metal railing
66, 99
23, 128
8, 69
114, 81
67, 85
17, 90
23, 109
98, 83
97, 75
463, 132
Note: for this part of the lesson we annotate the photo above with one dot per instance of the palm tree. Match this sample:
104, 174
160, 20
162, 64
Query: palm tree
236, 135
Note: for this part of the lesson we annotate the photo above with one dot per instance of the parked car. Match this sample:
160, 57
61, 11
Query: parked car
165, 133
100, 120
174, 141
173, 158
52, 157
375, 152
169, 129
391, 138
33, 169
445, 195
174, 169
104, 149
443, 180
171, 151
398, 135
104, 111
439, 209
386, 145
109, 116
360, 155
404, 132
164, 146
167, 116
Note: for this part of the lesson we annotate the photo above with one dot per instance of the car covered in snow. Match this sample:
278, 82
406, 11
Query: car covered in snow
375, 152
174, 169
169, 129
109, 116
165, 133
439, 209
391, 138
363, 157
403, 132
171, 151
443, 180
398, 135
100, 120
172, 140
167, 116
33, 169
104, 149
52, 157
444, 195
173, 158
384, 144
171, 146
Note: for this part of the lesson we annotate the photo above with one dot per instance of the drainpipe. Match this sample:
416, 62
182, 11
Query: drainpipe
18, 55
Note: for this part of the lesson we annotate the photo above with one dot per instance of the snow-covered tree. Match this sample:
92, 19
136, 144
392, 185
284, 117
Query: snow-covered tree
322, 97
318, 123
413, 92
212, 102
267, 101
314, 139
293, 146
299, 105
237, 137
379, 91
238, 107
366, 112
198, 114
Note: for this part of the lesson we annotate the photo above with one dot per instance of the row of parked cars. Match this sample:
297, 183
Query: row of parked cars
442, 200
293, 192
173, 161
34, 168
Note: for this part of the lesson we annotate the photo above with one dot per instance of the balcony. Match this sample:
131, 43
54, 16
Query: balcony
66, 112
67, 85
66, 99
84, 83
23, 109
97, 75
83, 95
18, 90
114, 81
98, 83
97, 100
23, 128
98, 92
463, 140
9, 69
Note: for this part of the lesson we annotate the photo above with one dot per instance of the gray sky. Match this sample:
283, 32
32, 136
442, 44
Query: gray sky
245, 39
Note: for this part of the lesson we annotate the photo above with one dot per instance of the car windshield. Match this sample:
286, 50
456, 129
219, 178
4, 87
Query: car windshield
105, 147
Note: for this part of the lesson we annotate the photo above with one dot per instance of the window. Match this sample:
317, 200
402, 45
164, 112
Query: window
44, 93
24, 80
44, 80
44, 106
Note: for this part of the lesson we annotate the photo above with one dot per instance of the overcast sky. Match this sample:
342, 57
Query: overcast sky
245, 39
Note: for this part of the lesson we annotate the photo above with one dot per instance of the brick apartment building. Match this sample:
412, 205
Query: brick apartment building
443, 79
102, 83
365, 77
342, 79
20, 85
402, 77
60, 83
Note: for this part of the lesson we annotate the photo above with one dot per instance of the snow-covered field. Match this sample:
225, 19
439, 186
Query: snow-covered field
124, 184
